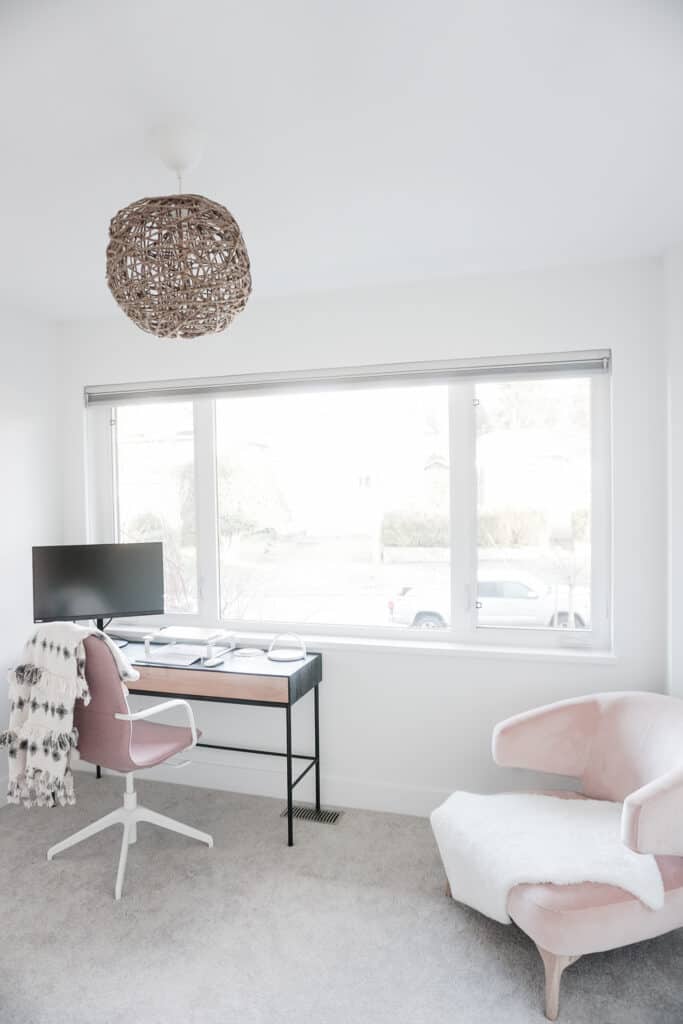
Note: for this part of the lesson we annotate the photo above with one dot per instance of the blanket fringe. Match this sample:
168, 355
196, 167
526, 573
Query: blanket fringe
37, 788
44, 685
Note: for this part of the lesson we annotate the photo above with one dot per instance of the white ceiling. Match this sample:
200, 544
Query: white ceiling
356, 141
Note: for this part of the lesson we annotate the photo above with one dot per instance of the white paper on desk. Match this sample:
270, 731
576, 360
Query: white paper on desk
182, 655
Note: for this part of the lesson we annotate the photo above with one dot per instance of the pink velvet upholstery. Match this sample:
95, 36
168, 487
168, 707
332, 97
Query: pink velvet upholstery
588, 918
103, 739
622, 746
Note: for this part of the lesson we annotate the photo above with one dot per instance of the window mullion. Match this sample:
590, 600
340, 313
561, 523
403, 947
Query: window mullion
463, 480
206, 510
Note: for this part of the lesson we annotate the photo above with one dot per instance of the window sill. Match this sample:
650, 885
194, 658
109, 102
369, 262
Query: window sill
432, 647
322, 643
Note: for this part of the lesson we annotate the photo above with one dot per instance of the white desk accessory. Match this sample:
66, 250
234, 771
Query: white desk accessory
247, 652
212, 651
297, 653
189, 634
148, 648
135, 634
180, 655
215, 655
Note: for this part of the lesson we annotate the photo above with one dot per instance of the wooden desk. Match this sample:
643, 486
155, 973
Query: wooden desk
250, 681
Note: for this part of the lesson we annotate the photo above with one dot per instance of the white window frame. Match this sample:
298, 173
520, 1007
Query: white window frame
463, 628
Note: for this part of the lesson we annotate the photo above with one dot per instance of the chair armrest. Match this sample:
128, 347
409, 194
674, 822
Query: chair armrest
556, 738
652, 818
157, 709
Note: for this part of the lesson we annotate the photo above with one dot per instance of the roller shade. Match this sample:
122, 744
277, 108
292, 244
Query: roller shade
388, 374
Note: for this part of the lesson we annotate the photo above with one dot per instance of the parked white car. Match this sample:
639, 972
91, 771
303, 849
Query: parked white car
504, 598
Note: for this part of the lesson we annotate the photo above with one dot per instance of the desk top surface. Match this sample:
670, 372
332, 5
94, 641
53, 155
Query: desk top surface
256, 665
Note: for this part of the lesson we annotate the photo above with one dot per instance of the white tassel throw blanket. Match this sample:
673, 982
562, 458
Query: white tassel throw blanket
489, 844
43, 690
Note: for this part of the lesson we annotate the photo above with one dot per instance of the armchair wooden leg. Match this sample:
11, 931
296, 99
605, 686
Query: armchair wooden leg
554, 965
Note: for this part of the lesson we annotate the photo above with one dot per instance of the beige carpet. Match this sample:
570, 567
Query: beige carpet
351, 926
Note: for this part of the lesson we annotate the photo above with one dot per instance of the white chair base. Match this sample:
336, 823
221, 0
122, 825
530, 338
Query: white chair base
129, 815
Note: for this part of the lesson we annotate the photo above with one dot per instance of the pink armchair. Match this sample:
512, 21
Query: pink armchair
621, 746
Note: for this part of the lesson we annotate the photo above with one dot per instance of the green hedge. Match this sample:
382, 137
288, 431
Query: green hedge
414, 530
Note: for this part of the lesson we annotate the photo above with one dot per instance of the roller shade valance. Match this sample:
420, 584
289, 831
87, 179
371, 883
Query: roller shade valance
387, 374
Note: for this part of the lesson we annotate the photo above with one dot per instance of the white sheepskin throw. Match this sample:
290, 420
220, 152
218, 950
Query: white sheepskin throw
489, 844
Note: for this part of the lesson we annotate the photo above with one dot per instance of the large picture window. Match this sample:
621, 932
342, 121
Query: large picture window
477, 508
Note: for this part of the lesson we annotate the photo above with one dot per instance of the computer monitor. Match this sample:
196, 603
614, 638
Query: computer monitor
97, 581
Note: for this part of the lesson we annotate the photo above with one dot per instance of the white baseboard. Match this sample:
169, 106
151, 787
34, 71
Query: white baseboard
211, 771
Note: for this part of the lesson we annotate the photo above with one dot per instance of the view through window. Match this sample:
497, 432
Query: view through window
534, 503
154, 469
328, 502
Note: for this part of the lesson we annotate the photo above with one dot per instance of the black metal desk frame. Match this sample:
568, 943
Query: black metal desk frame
300, 681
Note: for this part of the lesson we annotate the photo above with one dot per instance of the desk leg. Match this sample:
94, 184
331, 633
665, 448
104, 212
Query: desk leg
98, 772
290, 820
316, 714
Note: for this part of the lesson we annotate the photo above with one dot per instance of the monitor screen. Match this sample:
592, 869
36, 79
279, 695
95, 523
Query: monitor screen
90, 581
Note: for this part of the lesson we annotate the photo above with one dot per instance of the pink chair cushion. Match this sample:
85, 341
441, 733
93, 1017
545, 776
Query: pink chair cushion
590, 918
152, 743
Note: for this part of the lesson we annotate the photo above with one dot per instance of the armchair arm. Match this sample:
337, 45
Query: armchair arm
156, 709
652, 818
555, 738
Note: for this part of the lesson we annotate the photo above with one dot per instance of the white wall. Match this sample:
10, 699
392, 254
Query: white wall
673, 324
400, 730
30, 453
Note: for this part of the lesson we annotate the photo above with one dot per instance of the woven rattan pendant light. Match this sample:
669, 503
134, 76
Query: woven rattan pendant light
177, 265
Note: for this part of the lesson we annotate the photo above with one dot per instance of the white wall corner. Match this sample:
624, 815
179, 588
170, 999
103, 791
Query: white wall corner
673, 334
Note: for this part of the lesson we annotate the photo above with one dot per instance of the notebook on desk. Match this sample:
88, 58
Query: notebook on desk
179, 655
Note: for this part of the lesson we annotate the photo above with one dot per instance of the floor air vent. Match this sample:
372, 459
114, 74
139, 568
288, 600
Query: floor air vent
305, 812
